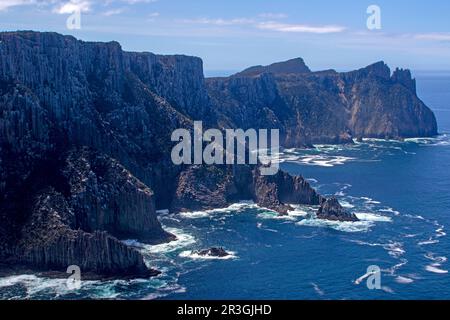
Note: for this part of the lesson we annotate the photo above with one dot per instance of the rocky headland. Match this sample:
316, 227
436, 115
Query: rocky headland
85, 142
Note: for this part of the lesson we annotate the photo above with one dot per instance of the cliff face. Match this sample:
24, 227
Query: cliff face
85, 141
58, 93
108, 197
49, 243
73, 210
385, 106
323, 107
209, 187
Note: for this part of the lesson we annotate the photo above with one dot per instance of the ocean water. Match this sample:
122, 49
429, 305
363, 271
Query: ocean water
399, 190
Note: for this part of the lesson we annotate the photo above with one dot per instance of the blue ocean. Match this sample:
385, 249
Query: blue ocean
399, 190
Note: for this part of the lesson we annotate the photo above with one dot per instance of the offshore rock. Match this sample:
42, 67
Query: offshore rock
332, 210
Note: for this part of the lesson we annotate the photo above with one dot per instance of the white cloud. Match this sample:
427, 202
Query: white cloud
434, 36
269, 25
73, 6
220, 21
138, 1
300, 28
271, 15
6, 4
113, 12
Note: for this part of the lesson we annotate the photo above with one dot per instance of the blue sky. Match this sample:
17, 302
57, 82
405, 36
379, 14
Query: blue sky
232, 35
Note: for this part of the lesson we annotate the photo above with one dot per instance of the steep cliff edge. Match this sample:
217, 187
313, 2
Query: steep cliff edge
73, 210
323, 107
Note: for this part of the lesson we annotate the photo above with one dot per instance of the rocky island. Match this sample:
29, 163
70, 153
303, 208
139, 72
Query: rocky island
85, 143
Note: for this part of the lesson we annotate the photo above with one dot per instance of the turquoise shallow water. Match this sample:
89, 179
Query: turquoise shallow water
400, 191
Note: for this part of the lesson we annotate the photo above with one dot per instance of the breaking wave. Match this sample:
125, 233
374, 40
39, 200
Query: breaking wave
194, 255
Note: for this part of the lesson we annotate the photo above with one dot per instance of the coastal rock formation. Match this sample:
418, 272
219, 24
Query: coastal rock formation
208, 187
201, 187
213, 252
108, 197
85, 141
323, 107
74, 214
278, 191
332, 210
48, 242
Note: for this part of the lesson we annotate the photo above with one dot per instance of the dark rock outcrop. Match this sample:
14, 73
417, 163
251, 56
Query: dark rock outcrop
278, 191
48, 242
332, 210
213, 252
208, 187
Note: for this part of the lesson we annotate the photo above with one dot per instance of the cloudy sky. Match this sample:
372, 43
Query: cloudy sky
232, 34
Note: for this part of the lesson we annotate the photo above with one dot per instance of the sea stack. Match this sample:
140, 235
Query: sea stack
332, 210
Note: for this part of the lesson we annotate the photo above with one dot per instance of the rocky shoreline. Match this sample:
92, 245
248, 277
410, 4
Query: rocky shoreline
85, 141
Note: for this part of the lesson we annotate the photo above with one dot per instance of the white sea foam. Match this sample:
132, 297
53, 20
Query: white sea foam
346, 204
195, 256
363, 277
395, 249
299, 211
323, 160
233, 208
390, 210
367, 220
441, 140
387, 289
358, 226
317, 289
165, 291
428, 242
272, 215
365, 216
437, 259
435, 269
195, 214
35, 285
183, 240
260, 226
440, 232
370, 200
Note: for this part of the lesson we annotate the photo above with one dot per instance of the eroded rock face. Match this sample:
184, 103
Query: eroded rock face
201, 187
323, 107
74, 214
108, 197
332, 210
208, 187
278, 191
50, 244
